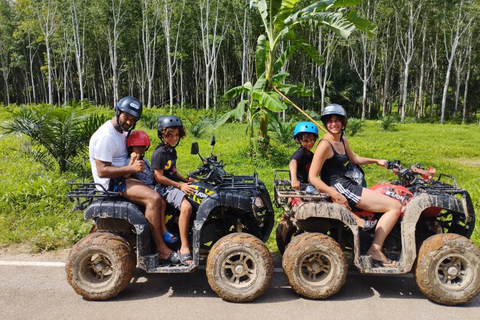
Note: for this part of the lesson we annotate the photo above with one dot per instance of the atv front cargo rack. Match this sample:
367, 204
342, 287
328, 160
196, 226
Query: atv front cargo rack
239, 182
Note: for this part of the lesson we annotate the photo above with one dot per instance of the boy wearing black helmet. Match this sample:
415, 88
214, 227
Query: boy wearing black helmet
171, 185
110, 163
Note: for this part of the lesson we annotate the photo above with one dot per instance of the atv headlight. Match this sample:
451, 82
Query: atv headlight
257, 202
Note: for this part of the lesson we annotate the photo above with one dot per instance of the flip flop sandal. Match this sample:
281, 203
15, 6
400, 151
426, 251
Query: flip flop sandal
381, 263
171, 259
169, 237
184, 257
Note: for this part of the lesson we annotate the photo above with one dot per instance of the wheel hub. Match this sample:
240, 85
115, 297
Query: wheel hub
315, 267
452, 272
239, 269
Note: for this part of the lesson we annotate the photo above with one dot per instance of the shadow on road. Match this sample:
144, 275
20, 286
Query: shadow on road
357, 287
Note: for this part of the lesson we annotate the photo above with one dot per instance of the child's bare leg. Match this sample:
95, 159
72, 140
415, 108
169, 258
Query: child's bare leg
183, 224
163, 227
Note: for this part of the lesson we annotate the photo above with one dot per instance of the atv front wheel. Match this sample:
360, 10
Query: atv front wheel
447, 269
100, 266
315, 265
283, 234
239, 267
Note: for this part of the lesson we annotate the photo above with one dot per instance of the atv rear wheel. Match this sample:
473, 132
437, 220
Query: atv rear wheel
239, 267
283, 234
100, 266
315, 265
447, 269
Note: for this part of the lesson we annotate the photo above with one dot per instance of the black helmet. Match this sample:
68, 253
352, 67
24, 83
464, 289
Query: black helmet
333, 109
170, 122
131, 106
167, 122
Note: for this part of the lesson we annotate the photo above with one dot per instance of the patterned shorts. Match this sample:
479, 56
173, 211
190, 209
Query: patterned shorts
350, 191
117, 185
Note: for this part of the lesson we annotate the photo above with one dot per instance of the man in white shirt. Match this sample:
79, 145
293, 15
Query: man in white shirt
109, 161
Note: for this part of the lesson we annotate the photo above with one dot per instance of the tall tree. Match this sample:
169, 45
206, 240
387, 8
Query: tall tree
48, 21
456, 27
150, 26
212, 37
172, 57
78, 17
327, 45
6, 44
407, 40
364, 53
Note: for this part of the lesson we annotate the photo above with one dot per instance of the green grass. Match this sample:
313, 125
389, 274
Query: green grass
34, 209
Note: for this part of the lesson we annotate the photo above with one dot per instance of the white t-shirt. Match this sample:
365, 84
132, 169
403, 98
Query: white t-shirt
107, 145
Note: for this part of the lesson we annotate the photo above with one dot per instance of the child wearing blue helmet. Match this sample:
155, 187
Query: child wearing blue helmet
305, 134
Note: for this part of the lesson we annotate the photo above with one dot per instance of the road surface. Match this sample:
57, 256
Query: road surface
34, 287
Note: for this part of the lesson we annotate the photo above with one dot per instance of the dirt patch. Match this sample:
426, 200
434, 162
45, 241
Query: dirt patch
469, 162
22, 252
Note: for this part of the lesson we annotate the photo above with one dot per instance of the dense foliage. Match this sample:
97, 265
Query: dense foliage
420, 64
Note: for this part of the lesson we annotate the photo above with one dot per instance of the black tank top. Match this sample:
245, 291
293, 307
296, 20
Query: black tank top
334, 169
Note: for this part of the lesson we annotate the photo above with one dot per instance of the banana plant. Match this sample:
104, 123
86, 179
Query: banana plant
280, 19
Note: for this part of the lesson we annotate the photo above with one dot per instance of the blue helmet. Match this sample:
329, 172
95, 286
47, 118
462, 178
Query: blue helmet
305, 127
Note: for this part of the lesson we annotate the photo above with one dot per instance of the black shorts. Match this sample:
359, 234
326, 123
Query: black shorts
349, 190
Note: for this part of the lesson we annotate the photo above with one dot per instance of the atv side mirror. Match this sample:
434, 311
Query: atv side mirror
194, 149
212, 140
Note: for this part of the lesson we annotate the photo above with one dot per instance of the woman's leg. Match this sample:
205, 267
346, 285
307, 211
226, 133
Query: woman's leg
376, 202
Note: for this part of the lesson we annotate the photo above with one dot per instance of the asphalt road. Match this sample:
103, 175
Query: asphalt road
39, 290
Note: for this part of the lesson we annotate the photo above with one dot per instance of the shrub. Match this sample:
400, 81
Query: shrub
283, 130
354, 126
387, 123
61, 133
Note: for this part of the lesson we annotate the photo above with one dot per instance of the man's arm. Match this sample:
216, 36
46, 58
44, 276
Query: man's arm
106, 170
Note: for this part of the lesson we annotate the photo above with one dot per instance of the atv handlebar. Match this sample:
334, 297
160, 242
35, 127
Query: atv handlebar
408, 176
211, 171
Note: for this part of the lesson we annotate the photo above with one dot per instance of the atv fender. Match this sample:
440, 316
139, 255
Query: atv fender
226, 198
126, 211
330, 211
414, 209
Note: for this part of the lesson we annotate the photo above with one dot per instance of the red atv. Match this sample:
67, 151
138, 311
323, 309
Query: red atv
431, 238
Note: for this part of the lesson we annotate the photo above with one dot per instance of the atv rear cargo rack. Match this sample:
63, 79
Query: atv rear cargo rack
284, 191
84, 193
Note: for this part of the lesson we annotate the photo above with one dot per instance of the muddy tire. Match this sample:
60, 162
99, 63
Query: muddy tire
448, 269
315, 265
100, 266
239, 267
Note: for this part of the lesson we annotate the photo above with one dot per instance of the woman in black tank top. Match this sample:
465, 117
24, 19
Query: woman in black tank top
331, 155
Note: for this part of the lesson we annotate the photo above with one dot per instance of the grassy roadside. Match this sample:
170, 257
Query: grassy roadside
34, 210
